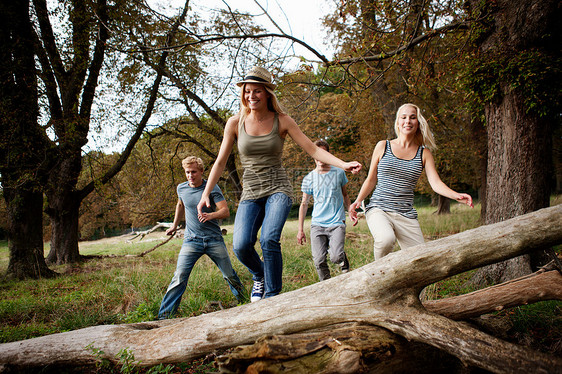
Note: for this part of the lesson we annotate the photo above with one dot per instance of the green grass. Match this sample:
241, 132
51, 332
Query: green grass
130, 289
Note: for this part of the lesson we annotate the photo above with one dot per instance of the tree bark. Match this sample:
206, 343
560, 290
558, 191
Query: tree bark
444, 205
384, 293
25, 233
63, 210
519, 139
340, 348
356, 347
22, 149
528, 289
513, 167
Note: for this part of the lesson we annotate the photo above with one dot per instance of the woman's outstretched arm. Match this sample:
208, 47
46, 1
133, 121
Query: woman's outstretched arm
290, 127
438, 185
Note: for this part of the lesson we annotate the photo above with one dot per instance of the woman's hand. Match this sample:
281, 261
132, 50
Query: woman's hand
353, 213
203, 202
465, 199
301, 237
354, 167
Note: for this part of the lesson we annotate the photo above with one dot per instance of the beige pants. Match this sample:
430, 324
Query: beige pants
387, 227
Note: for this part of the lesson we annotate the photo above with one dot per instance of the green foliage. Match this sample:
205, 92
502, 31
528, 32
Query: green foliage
538, 325
540, 316
160, 369
535, 75
484, 12
126, 364
141, 313
102, 362
127, 361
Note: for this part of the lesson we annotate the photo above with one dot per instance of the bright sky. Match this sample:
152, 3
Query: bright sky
299, 18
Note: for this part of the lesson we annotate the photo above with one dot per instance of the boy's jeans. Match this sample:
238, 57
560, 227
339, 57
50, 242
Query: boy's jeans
192, 249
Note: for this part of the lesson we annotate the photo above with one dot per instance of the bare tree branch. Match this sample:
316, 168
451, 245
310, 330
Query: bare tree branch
147, 114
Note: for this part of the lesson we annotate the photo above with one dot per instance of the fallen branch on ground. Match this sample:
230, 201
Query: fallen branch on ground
384, 293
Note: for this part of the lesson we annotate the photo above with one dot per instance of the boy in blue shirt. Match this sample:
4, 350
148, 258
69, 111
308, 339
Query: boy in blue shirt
326, 184
202, 236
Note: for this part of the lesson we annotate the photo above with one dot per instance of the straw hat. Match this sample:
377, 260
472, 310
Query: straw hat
258, 75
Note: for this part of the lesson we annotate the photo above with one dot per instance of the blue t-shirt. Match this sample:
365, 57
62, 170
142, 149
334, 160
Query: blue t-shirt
326, 189
190, 197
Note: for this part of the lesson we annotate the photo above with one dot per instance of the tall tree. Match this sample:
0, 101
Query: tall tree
517, 77
70, 75
46, 158
24, 147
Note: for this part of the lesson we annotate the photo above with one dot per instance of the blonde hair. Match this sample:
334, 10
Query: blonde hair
193, 160
424, 136
273, 104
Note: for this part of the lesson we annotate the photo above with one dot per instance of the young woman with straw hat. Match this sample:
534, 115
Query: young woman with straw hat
260, 129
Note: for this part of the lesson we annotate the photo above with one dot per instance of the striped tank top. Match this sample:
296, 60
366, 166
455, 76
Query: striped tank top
396, 180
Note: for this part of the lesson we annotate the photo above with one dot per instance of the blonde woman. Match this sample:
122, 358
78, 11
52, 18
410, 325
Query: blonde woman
260, 130
396, 166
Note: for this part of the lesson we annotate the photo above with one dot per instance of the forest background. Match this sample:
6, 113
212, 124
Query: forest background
155, 84
161, 82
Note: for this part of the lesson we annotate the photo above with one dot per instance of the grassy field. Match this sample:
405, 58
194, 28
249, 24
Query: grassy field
129, 289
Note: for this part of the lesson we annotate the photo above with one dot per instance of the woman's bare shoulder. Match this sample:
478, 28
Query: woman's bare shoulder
232, 125
380, 146
235, 118
285, 118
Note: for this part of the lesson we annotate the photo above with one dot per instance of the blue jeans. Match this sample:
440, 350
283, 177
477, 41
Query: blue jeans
192, 249
269, 213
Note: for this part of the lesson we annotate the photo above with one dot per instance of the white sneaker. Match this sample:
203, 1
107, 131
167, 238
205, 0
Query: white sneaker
257, 291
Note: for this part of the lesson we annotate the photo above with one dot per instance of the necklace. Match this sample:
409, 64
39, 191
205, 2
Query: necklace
265, 118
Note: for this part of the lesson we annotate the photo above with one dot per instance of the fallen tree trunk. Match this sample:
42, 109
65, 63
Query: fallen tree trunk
383, 293
342, 348
521, 291
354, 348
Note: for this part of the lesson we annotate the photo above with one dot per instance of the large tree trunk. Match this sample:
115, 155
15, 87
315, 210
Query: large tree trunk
63, 210
25, 232
444, 205
70, 87
518, 172
22, 149
356, 347
384, 293
519, 137
341, 348
71, 118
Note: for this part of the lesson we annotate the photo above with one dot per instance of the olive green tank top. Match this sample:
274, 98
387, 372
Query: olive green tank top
261, 156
